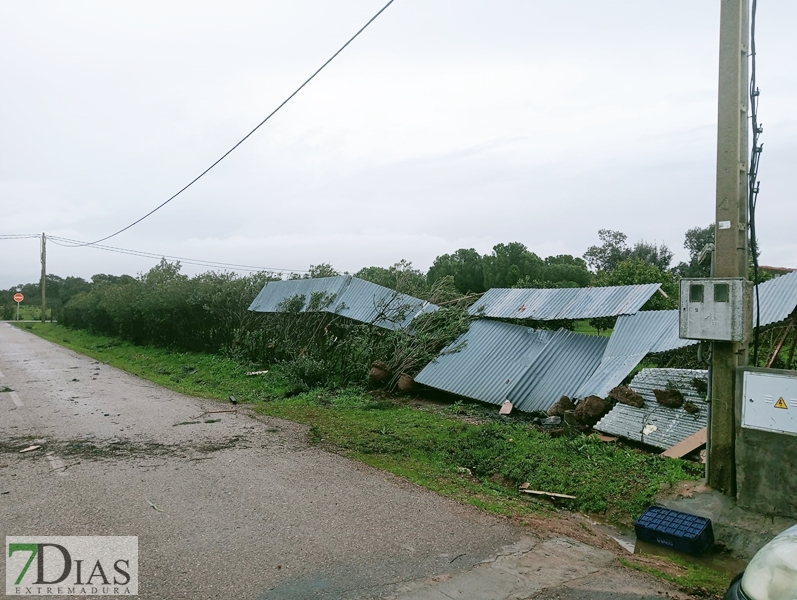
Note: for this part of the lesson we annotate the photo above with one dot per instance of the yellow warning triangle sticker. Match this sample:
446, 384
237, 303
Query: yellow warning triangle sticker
780, 403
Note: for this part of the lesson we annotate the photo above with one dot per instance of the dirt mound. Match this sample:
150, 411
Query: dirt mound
691, 408
591, 409
626, 395
669, 398
558, 409
379, 371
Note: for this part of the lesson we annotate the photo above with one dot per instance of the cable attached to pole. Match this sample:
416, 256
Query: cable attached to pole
202, 174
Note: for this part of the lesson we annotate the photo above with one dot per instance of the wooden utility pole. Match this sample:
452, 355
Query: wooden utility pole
44, 276
730, 231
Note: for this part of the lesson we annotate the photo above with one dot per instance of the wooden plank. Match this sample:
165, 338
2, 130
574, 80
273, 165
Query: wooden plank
549, 494
684, 447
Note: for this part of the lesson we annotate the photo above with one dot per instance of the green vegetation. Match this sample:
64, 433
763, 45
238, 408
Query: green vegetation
460, 450
693, 578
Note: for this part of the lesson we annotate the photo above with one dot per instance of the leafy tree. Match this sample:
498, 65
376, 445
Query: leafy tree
102, 279
401, 277
164, 272
658, 256
509, 263
615, 250
466, 266
695, 240
610, 253
322, 270
635, 271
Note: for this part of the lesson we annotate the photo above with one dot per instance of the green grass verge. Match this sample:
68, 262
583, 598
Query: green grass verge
442, 446
693, 578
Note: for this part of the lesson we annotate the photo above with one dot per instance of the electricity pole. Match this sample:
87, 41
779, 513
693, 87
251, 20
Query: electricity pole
730, 230
44, 276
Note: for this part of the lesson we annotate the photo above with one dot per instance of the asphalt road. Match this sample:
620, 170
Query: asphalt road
243, 506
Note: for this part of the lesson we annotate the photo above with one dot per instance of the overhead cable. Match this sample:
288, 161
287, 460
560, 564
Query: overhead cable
69, 243
198, 177
753, 183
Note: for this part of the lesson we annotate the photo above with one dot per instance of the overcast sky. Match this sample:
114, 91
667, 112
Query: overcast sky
447, 124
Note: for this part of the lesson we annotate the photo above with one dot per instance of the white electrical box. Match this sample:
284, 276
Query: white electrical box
714, 309
769, 400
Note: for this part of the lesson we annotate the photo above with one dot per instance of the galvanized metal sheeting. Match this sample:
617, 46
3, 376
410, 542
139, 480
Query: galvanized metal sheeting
654, 424
346, 296
778, 299
564, 303
633, 337
565, 363
490, 359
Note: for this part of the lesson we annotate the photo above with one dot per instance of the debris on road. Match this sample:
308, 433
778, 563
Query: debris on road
29, 449
187, 423
155, 507
65, 467
214, 412
233, 400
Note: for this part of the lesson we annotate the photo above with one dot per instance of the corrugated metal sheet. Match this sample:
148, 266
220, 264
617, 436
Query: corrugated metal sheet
610, 373
654, 424
566, 362
344, 295
565, 303
490, 363
633, 337
778, 299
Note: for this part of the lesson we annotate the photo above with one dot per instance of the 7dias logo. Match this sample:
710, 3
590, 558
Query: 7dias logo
79, 566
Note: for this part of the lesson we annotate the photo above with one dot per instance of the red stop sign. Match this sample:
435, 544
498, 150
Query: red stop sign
18, 297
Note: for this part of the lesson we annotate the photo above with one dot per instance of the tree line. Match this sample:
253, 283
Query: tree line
612, 262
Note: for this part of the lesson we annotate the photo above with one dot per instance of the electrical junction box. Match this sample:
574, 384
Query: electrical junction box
714, 309
769, 400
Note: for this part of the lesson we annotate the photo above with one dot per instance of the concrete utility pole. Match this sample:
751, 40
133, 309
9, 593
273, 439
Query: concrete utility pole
44, 276
730, 230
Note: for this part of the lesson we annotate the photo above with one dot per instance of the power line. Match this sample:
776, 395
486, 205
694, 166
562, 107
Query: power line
753, 183
198, 177
69, 243
19, 236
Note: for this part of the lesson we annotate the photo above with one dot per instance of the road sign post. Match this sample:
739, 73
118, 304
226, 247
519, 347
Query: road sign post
18, 298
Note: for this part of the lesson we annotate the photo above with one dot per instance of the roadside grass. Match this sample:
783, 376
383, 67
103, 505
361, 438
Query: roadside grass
478, 460
693, 578
202, 375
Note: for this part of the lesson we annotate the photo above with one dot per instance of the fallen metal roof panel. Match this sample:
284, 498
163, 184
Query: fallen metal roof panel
654, 424
567, 361
610, 373
647, 331
563, 303
493, 358
344, 295
633, 337
778, 299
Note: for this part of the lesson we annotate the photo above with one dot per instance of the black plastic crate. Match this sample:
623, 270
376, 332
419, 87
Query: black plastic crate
678, 530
